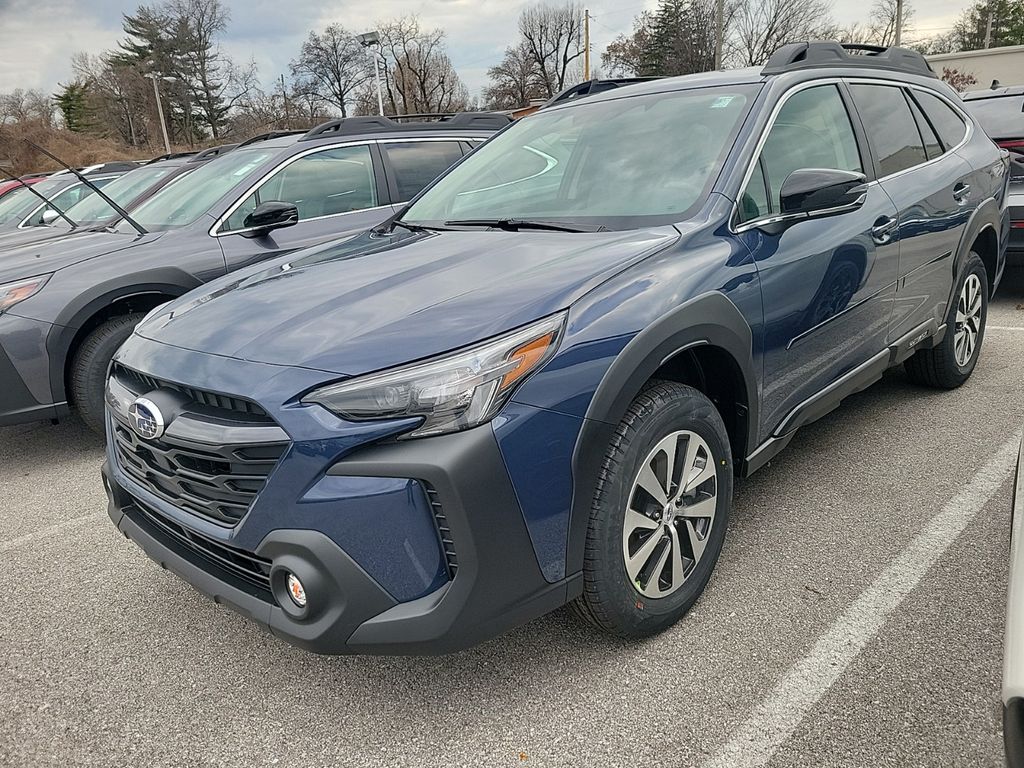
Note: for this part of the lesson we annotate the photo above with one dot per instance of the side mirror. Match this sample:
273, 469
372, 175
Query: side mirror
813, 192
269, 216
49, 216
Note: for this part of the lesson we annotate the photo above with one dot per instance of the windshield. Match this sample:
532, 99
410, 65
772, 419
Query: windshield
183, 202
94, 209
20, 203
619, 164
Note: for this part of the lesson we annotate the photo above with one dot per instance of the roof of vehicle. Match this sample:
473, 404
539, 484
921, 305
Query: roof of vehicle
994, 93
829, 57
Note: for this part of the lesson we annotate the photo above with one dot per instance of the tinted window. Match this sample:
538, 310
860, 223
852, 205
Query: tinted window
812, 130
620, 164
932, 145
20, 203
414, 164
122, 191
944, 119
890, 125
324, 183
1002, 117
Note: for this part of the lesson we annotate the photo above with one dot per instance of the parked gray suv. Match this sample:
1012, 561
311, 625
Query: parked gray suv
66, 307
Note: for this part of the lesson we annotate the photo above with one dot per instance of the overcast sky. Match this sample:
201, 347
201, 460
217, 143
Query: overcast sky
37, 37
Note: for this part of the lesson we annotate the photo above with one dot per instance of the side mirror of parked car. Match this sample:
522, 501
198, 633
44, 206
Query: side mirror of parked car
814, 192
49, 216
270, 215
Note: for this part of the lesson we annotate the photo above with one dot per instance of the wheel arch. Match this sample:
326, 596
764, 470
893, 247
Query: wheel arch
706, 343
102, 302
981, 232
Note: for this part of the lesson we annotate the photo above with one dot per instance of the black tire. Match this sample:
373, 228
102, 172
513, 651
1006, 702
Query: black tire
88, 375
611, 600
938, 367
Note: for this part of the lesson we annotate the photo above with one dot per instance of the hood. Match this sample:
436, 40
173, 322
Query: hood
42, 257
374, 302
20, 237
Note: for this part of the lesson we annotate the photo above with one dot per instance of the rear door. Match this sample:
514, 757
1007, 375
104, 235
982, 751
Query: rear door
411, 164
827, 283
338, 190
931, 188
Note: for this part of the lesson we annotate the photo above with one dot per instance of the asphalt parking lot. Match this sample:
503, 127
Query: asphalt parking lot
855, 619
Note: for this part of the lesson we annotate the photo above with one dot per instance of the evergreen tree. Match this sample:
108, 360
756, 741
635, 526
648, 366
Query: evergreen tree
73, 102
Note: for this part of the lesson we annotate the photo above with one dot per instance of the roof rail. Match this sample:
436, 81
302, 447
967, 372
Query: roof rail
168, 156
212, 152
268, 136
829, 53
593, 87
350, 126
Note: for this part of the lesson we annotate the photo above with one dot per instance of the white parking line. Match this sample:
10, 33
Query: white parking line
779, 715
42, 533
1003, 328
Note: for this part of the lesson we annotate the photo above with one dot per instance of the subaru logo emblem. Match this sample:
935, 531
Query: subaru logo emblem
145, 419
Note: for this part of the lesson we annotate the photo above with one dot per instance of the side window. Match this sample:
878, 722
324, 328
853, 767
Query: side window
950, 126
324, 183
66, 199
890, 126
414, 164
812, 130
932, 145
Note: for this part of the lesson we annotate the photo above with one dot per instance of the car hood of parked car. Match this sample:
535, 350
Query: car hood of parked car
29, 235
378, 301
39, 258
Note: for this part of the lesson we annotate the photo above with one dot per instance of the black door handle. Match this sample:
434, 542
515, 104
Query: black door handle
961, 191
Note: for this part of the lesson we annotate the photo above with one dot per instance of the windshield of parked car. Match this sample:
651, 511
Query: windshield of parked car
20, 203
618, 164
94, 210
183, 202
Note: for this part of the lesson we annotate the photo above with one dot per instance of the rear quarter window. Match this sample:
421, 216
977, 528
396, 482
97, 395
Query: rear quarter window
946, 122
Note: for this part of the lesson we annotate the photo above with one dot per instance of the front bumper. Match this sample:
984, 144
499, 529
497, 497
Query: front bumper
25, 393
498, 583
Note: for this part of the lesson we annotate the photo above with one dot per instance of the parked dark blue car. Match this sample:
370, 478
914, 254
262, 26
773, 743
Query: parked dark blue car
535, 384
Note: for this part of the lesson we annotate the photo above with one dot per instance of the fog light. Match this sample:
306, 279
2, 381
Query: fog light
296, 591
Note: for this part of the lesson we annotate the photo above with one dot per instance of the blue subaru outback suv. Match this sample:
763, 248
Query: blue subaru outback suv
535, 384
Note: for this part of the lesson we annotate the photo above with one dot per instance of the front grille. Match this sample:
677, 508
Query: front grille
214, 457
443, 531
141, 383
239, 563
218, 482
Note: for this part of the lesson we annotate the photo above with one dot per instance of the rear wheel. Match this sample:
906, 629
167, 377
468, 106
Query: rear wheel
88, 375
951, 362
660, 513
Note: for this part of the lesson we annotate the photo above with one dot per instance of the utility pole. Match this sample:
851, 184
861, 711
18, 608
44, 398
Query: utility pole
899, 22
988, 27
284, 98
160, 111
719, 31
586, 44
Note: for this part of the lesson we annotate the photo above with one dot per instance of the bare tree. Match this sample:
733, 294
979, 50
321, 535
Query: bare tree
553, 35
515, 81
417, 74
120, 98
882, 26
333, 65
20, 105
759, 27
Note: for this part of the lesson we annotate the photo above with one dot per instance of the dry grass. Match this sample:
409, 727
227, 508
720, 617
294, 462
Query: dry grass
75, 149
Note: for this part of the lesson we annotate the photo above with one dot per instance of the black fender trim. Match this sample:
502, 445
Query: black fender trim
166, 281
985, 215
709, 319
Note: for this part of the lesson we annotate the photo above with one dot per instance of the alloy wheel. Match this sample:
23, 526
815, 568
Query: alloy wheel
669, 514
968, 321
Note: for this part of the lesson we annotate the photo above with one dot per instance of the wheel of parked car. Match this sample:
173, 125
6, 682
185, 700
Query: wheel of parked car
660, 512
950, 363
89, 367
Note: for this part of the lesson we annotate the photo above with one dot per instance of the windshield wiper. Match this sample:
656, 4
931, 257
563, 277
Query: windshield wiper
514, 225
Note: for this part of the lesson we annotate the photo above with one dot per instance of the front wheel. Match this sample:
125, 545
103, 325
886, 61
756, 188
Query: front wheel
88, 376
951, 362
660, 513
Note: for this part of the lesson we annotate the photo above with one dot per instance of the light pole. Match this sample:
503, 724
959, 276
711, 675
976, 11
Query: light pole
159, 107
368, 40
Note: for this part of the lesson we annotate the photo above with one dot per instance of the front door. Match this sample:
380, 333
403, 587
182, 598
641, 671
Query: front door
827, 283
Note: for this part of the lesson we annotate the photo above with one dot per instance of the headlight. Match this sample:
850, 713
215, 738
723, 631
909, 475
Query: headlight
12, 293
456, 391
